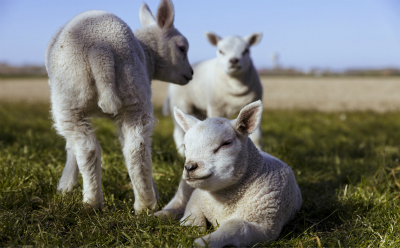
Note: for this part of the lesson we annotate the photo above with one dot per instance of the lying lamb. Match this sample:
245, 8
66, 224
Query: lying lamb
221, 87
249, 193
98, 67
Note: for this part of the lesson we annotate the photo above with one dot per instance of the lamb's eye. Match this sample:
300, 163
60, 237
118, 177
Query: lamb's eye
226, 143
184, 147
245, 51
182, 49
221, 52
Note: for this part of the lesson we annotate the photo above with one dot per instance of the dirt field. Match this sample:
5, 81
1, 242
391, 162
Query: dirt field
322, 94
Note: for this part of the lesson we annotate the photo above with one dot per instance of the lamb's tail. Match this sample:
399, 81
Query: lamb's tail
49, 48
165, 108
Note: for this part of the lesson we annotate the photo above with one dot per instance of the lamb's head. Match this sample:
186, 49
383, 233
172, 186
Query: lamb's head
168, 45
233, 52
215, 149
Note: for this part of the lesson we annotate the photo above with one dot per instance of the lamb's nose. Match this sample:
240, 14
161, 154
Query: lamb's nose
191, 166
234, 60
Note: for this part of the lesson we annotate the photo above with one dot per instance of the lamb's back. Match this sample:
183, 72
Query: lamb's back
95, 33
273, 196
96, 29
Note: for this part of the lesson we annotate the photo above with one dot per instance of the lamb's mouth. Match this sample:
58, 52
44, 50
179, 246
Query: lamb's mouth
191, 179
235, 67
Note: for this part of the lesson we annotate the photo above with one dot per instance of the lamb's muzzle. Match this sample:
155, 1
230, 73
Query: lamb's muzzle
191, 166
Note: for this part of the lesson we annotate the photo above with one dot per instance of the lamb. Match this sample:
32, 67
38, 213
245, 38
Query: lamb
249, 193
98, 67
220, 86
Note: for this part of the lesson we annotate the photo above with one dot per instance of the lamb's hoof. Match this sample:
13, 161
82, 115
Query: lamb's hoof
139, 208
168, 214
92, 205
67, 187
200, 242
95, 201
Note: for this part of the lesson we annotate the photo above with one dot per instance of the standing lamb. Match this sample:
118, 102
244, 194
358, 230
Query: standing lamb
221, 87
249, 193
98, 67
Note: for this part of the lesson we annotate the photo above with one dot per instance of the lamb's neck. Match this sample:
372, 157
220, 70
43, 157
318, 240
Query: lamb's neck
251, 159
148, 42
240, 84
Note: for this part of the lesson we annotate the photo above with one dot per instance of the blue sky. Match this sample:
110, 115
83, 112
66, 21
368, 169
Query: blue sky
335, 34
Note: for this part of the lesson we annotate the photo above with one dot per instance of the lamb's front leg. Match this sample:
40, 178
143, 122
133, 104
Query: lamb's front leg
137, 152
176, 207
238, 232
193, 214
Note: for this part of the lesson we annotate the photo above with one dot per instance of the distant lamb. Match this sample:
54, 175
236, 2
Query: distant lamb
249, 193
98, 67
221, 87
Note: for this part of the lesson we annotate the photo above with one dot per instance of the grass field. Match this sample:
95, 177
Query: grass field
347, 167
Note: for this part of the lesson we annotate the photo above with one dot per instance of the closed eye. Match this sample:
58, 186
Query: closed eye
221, 52
245, 51
225, 144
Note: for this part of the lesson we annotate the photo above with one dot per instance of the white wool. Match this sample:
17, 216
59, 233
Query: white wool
250, 194
98, 67
220, 86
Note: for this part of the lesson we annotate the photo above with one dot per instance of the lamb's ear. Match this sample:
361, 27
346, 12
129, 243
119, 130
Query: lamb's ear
184, 120
249, 118
165, 14
253, 39
212, 38
145, 16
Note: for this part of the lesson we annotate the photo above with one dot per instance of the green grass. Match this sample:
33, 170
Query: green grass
347, 167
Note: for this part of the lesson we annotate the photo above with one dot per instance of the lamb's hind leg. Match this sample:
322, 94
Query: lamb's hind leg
80, 138
70, 173
238, 232
137, 152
